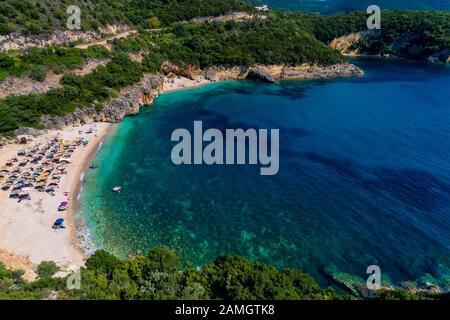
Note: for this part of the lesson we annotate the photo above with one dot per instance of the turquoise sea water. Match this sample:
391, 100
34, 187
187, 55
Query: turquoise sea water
364, 176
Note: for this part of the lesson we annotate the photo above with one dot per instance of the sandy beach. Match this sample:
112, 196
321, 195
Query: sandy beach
26, 234
181, 83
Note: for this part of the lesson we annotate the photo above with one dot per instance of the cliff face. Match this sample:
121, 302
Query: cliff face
127, 103
346, 44
273, 73
342, 70
132, 98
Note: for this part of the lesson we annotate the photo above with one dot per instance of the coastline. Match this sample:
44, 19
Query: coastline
346, 283
77, 187
26, 236
27, 256
183, 83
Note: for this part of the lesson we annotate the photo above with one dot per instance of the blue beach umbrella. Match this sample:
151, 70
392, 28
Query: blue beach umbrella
59, 221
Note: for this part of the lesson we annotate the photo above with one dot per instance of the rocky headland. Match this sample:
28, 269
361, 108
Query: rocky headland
404, 46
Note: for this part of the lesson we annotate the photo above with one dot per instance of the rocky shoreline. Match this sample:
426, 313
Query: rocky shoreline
131, 98
358, 286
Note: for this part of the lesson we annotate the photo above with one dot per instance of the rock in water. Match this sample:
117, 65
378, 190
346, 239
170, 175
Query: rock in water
260, 73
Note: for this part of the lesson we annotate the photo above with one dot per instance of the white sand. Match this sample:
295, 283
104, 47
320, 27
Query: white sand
26, 234
181, 83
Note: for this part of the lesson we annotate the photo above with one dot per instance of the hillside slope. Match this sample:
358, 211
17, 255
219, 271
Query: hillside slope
40, 16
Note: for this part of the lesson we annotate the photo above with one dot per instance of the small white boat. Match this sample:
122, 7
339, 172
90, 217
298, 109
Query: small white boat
117, 189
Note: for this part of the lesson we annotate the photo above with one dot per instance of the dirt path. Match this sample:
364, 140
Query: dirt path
104, 42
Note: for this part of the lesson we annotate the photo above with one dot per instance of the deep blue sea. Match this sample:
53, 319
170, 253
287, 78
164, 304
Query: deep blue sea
364, 176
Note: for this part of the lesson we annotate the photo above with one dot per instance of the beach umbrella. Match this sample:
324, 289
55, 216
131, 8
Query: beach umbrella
14, 193
64, 203
18, 186
59, 221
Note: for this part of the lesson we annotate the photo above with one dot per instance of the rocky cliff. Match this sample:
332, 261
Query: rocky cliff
273, 73
128, 102
347, 44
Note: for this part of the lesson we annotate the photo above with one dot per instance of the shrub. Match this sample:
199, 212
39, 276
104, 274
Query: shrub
46, 269
38, 73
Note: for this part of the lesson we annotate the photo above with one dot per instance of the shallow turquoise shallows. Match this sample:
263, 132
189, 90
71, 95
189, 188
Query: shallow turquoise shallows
364, 176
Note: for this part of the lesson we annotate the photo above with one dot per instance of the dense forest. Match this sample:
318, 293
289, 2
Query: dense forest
158, 275
40, 16
410, 34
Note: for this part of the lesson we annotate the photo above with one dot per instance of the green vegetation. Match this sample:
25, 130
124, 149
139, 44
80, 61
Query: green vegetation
158, 275
46, 269
410, 34
38, 73
397, 294
40, 16
77, 92
414, 35
228, 44
282, 38
35, 62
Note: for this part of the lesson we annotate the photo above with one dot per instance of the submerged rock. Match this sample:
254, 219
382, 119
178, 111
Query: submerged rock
353, 283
